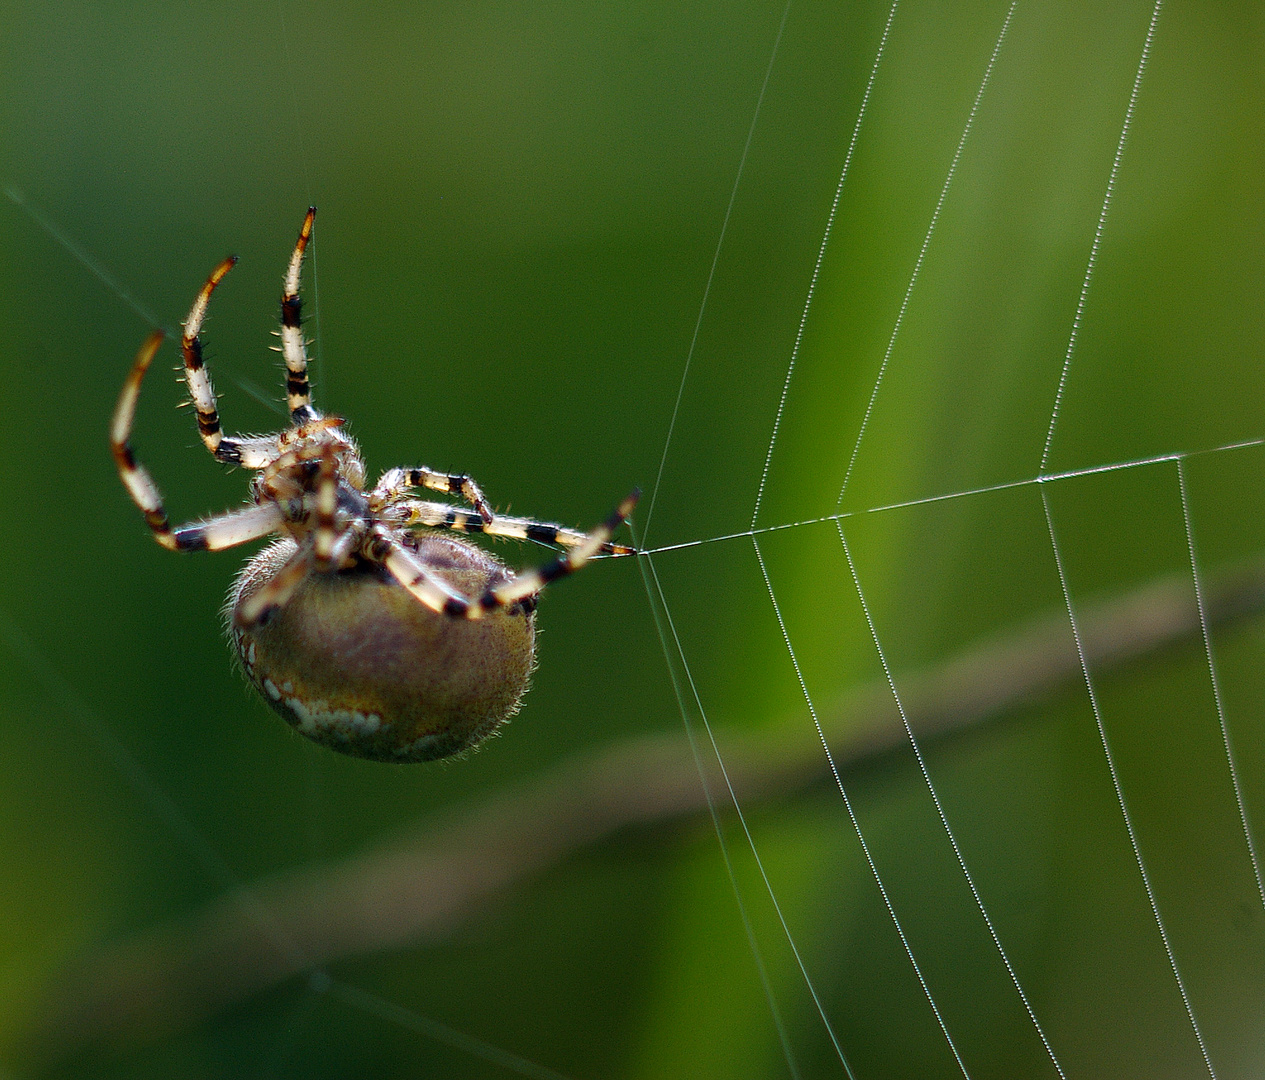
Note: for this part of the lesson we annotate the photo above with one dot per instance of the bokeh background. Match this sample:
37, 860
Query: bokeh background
519, 210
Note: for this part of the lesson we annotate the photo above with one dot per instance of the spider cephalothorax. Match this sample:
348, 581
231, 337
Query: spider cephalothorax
365, 628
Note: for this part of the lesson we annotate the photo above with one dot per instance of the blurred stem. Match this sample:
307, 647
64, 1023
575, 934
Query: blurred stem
420, 886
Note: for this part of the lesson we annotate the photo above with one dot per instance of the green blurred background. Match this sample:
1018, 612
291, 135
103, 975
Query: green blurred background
520, 205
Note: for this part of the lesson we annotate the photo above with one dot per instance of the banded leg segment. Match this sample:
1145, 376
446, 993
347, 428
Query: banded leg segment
529, 583
140, 485
230, 529
330, 545
276, 590
396, 482
432, 592
425, 586
434, 515
293, 345
196, 376
226, 530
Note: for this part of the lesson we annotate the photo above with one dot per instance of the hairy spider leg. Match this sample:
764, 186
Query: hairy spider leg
214, 534
415, 576
278, 588
293, 344
529, 583
424, 585
330, 544
396, 482
433, 515
253, 453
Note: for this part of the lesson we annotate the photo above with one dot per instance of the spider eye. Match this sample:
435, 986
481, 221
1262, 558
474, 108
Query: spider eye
355, 663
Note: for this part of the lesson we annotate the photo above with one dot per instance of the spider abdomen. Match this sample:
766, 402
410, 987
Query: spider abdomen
354, 662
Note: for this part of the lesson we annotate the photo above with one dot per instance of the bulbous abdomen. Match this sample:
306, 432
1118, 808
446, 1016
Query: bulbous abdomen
353, 661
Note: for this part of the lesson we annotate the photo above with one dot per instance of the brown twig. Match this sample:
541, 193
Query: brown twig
418, 887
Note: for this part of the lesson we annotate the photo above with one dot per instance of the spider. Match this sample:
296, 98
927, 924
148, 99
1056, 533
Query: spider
365, 624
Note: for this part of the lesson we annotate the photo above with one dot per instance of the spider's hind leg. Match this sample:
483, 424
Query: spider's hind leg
529, 583
433, 515
413, 574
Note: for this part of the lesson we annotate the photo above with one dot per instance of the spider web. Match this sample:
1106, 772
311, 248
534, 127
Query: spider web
1175, 467
901, 447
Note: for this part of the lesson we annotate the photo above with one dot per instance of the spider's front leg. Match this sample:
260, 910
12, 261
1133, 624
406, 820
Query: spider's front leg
223, 531
253, 453
333, 540
293, 345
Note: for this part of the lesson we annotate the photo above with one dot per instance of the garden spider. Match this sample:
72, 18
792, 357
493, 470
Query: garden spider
364, 625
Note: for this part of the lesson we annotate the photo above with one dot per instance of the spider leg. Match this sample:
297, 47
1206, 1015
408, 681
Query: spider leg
412, 573
434, 515
415, 577
396, 482
330, 543
195, 373
293, 346
226, 530
531, 582
229, 529
253, 453
277, 589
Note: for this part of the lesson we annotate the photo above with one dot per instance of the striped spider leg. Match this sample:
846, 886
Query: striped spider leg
224, 531
395, 483
521, 590
251, 452
293, 344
